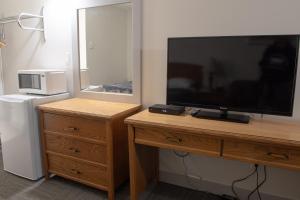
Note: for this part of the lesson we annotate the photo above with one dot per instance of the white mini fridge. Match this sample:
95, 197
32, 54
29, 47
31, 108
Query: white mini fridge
19, 131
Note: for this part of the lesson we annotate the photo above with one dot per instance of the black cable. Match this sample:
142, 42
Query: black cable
256, 189
258, 186
183, 155
257, 183
265, 177
241, 180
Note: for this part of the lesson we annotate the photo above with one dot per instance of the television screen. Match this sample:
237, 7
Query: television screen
255, 74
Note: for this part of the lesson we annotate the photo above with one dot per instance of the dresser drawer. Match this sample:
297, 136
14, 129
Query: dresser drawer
181, 141
76, 126
76, 148
262, 153
87, 173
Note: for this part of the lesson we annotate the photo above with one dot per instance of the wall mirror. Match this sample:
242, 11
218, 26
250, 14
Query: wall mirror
107, 50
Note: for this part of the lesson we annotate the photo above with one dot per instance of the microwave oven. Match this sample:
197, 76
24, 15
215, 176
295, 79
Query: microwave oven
44, 82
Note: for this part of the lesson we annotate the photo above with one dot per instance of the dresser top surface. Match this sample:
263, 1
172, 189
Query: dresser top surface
265, 130
90, 107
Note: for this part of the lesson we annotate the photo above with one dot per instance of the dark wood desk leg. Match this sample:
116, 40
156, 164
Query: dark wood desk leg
143, 161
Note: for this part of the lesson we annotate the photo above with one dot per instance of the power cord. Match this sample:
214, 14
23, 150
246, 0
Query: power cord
241, 180
258, 185
255, 171
183, 156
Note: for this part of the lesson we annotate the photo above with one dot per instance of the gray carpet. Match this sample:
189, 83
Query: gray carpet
16, 188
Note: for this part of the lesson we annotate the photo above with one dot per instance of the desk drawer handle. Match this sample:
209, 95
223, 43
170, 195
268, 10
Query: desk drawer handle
74, 150
71, 129
74, 171
278, 156
174, 140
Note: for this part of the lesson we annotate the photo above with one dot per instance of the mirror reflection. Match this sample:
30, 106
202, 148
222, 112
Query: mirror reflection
105, 48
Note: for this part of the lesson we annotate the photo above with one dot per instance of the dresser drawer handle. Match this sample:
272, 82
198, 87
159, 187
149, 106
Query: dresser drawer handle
71, 129
174, 140
74, 150
74, 171
278, 156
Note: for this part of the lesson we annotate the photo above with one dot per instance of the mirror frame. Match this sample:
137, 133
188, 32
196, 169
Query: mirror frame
135, 97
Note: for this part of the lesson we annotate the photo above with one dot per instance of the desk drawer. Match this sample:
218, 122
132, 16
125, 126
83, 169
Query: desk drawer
262, 153
76, 126
79, 170
181, 141
76, 148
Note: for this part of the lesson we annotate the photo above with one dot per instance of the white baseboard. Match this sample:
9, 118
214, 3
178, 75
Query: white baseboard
211, 187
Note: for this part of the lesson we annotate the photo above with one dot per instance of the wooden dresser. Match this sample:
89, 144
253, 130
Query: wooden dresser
86, 141
262, 141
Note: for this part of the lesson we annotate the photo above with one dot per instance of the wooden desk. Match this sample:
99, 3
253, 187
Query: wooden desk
267, 142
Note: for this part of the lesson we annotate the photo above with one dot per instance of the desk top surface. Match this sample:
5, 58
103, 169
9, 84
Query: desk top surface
264, 130
90, 107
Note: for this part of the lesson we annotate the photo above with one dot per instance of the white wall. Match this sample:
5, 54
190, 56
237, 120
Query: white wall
175, 18
1, 75
26, 49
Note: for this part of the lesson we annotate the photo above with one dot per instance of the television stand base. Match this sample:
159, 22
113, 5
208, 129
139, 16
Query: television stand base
222, 116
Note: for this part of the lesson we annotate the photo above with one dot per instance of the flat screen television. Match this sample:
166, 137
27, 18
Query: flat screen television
253, 74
